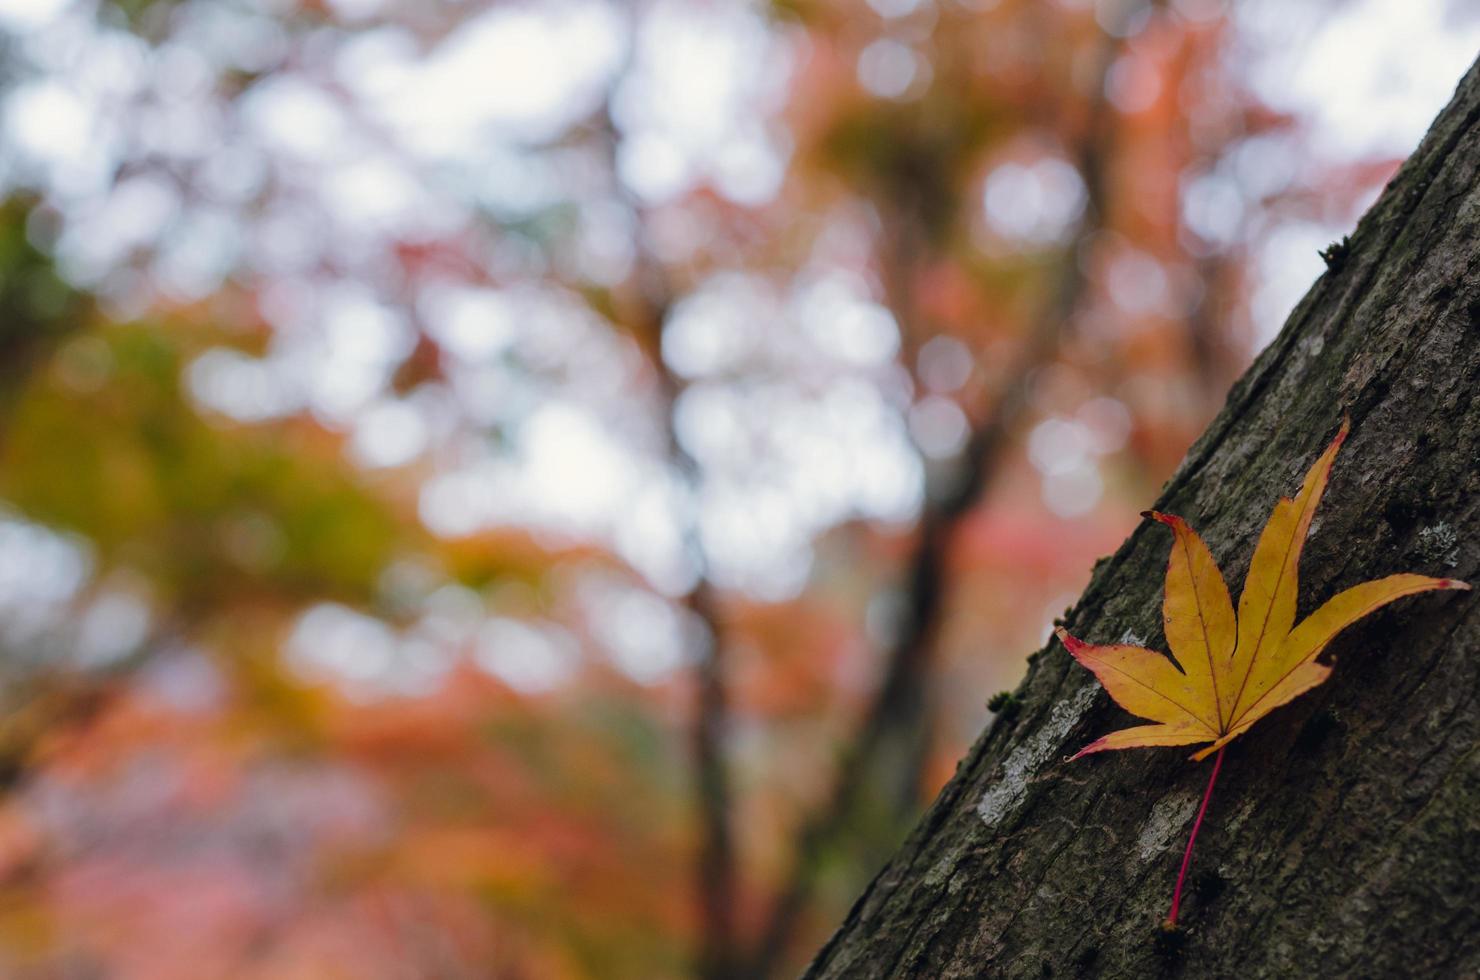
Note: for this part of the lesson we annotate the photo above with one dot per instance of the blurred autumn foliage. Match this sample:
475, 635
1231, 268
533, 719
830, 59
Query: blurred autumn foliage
547, 489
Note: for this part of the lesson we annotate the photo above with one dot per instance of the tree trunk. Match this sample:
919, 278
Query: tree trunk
1344, 835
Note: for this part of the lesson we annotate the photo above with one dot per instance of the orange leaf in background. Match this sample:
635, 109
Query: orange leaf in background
1234, 669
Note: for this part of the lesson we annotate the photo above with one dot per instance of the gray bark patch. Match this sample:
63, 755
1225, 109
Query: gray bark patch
1004, 795
1168, 819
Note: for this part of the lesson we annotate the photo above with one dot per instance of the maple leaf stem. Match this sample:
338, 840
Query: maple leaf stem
1187, 856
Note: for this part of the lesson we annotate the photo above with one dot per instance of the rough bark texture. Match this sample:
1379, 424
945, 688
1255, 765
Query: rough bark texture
1344, 838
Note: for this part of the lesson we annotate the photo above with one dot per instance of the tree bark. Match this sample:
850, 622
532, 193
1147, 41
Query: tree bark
1344, 836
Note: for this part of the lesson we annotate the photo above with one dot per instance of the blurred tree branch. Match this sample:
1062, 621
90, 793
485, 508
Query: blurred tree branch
899, 715
646, 310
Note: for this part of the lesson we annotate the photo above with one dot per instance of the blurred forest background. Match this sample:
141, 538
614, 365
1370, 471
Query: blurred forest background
547, 488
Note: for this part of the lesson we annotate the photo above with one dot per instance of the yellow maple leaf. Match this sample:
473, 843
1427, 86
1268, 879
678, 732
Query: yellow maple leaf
1234, 669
